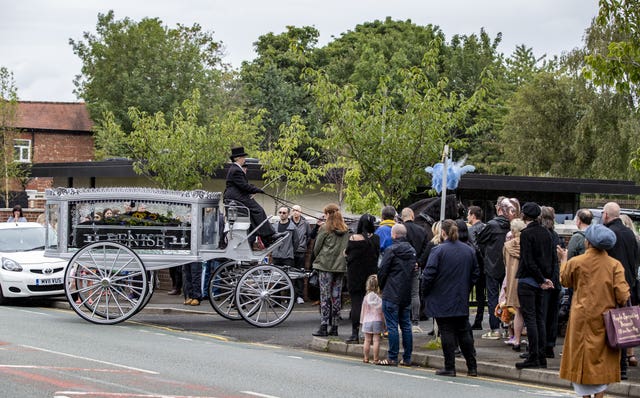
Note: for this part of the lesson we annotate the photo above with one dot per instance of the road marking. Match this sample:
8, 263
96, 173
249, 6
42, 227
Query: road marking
118, 394
546, 393
68, 368
209, 335
294, 357
35, 312
91, 359
185, 338
257, 394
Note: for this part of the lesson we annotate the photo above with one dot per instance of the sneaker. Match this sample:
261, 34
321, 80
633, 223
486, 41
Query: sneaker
493, 335
511, 341
300, 300
416, 329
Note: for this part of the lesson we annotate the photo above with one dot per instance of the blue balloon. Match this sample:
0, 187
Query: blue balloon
455, 171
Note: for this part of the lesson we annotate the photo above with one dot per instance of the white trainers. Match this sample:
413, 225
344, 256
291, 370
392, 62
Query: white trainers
300, 300
493, 335
416, 329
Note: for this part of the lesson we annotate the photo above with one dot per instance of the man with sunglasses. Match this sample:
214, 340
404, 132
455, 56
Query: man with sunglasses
284, 254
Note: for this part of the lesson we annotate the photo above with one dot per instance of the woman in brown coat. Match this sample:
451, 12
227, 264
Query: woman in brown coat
511, 255
598, 285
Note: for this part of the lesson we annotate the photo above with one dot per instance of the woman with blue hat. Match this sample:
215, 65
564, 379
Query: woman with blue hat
599, 285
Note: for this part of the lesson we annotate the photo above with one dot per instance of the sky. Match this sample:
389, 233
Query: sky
34, 34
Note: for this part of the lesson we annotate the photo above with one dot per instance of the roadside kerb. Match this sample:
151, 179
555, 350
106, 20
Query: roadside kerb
509, 372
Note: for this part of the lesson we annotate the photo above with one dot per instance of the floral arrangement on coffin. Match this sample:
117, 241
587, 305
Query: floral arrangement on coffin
142, 218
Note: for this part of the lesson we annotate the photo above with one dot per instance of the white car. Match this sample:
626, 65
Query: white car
24, 270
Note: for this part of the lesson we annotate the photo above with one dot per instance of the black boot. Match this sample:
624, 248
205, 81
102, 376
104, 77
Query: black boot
354, 338
322, 332
333, 331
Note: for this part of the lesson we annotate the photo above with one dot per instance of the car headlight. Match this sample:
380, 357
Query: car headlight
10, 265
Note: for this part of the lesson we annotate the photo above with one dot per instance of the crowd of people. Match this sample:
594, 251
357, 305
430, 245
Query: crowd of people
401, 272
515, 264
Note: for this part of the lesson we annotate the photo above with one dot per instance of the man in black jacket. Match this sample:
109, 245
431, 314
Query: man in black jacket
535, 270
625, 251
239, 190
394, 277
490, 242
417, 238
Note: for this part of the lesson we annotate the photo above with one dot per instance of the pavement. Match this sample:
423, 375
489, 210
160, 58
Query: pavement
495, 358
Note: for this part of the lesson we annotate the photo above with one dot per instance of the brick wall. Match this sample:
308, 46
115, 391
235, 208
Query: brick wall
30, 214
53, 147
60, 147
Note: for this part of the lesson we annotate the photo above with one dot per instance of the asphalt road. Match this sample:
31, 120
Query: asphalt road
47, 352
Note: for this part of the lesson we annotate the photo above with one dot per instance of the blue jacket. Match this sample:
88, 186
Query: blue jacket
396, 272
451, 271
384, 232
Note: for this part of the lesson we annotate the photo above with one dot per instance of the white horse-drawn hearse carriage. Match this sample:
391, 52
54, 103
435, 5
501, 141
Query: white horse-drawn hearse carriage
115, 239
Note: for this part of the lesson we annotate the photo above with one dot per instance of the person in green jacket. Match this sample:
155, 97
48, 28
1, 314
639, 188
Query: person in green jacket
331, 264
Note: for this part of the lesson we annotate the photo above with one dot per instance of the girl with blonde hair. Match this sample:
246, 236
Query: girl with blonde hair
372, 319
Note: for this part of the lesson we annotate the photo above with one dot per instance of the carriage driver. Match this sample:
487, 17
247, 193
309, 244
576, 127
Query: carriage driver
239, 190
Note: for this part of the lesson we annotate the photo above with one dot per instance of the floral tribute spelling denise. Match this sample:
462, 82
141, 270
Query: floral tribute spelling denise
140, 218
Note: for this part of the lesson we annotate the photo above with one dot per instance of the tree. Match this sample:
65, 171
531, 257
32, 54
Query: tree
148, 66
180, 153
283, 166
618, 64
373, 50
539, 127
470, 62
9, 168
273, 81
389, 144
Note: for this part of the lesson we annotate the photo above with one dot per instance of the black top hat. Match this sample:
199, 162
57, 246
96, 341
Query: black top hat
237, 152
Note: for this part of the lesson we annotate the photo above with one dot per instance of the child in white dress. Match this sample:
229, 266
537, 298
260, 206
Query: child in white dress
372, 319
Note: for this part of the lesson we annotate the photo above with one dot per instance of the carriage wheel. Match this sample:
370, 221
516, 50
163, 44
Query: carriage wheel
151, 275
265, 296
222, 289
106, 283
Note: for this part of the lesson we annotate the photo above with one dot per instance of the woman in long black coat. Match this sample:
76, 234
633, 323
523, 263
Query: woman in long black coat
362, 254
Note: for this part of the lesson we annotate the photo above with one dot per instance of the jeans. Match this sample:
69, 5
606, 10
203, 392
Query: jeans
396, 315
455, 330
415, 297
493, 292
531, 307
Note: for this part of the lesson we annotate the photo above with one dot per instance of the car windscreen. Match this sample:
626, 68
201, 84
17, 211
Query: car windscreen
21, 239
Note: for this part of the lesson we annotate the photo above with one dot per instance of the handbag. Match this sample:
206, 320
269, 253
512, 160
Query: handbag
622, 326
313, 279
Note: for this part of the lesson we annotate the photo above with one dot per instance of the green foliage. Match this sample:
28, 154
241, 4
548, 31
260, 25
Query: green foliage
539, 127
9, 169
392, 134
148, 66
560, 125
179, 153
374, 50
283, 166
619, 64
472, 62
274, 82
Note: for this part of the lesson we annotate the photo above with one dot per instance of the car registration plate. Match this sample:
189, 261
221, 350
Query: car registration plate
49, 281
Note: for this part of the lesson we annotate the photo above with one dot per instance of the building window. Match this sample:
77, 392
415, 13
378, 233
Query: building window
22, 151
